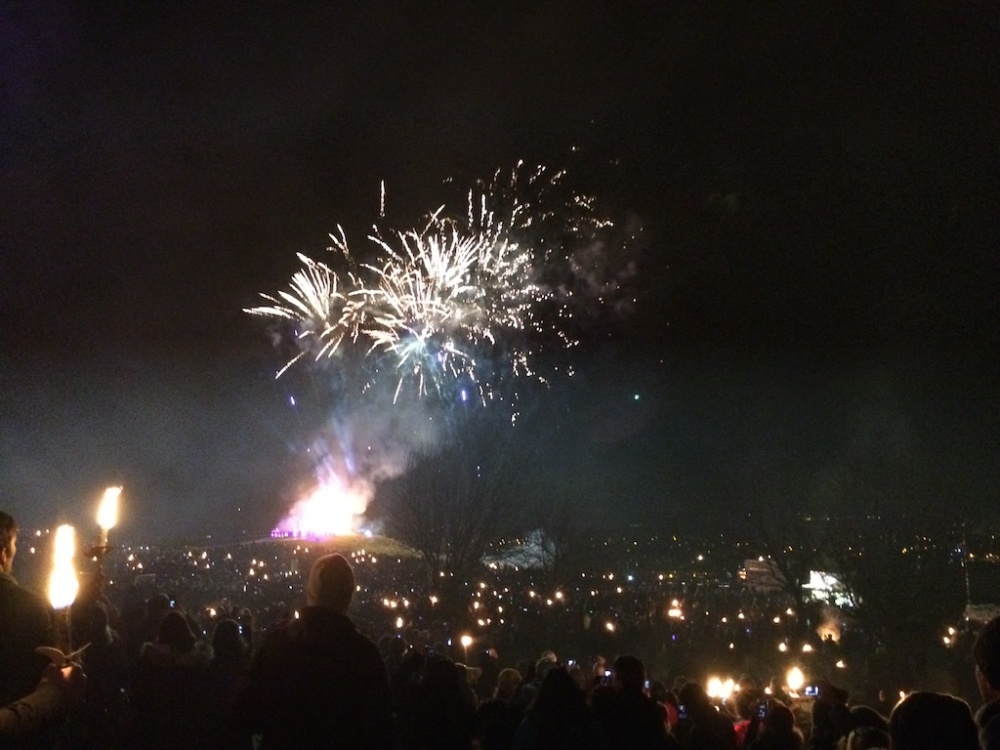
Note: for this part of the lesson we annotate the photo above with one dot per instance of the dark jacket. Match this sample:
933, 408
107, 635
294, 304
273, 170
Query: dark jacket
318, 683
168, 699
988, 724
632, 721
25, 623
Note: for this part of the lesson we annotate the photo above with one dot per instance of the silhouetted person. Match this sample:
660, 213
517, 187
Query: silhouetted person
777, 731
167, 692
932, 721
500, 716
25, 623
443, 716
704, 728
631, 719
986, 654
226, 677
559, 719
100, 721
317, 682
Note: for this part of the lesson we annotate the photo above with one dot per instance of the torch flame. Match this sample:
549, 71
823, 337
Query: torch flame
107, 513
63, 584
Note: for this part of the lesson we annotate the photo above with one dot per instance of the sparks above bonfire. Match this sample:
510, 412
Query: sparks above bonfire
471, 300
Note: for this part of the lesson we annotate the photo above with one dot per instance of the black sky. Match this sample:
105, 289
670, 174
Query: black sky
817, 321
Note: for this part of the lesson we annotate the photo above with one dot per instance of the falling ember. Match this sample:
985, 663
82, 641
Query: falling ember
63, 584
330, 510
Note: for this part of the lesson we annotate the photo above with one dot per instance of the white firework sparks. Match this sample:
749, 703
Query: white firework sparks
455, 300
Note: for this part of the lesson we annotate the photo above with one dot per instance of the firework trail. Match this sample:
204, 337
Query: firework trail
474, 298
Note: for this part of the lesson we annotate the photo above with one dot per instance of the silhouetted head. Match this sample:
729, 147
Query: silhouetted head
779, 720
331, 583
931, 721
507, 682
227, 642
174, 632
629, 672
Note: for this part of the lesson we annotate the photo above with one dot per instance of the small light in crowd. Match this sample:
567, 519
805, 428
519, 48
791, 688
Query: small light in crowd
609, 626
806, 648
399, 622
789, 611
776, 620
714, 688
782, 647
840, 664
732, 646
795, 679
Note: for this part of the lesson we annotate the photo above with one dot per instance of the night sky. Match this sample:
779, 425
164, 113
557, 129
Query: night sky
816, 321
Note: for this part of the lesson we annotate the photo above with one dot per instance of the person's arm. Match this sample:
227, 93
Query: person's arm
57, 690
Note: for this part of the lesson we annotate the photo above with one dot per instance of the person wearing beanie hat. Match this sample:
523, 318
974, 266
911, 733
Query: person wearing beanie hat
316, 681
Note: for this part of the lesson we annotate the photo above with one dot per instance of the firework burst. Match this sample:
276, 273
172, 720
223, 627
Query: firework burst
474, 299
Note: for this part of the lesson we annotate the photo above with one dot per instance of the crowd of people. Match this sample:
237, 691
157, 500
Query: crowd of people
161, 676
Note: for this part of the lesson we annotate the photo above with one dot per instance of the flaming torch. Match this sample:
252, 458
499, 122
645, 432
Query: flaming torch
107, 514
63, 584
107, 517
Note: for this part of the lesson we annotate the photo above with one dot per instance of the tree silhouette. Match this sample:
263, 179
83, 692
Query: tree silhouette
451, 505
